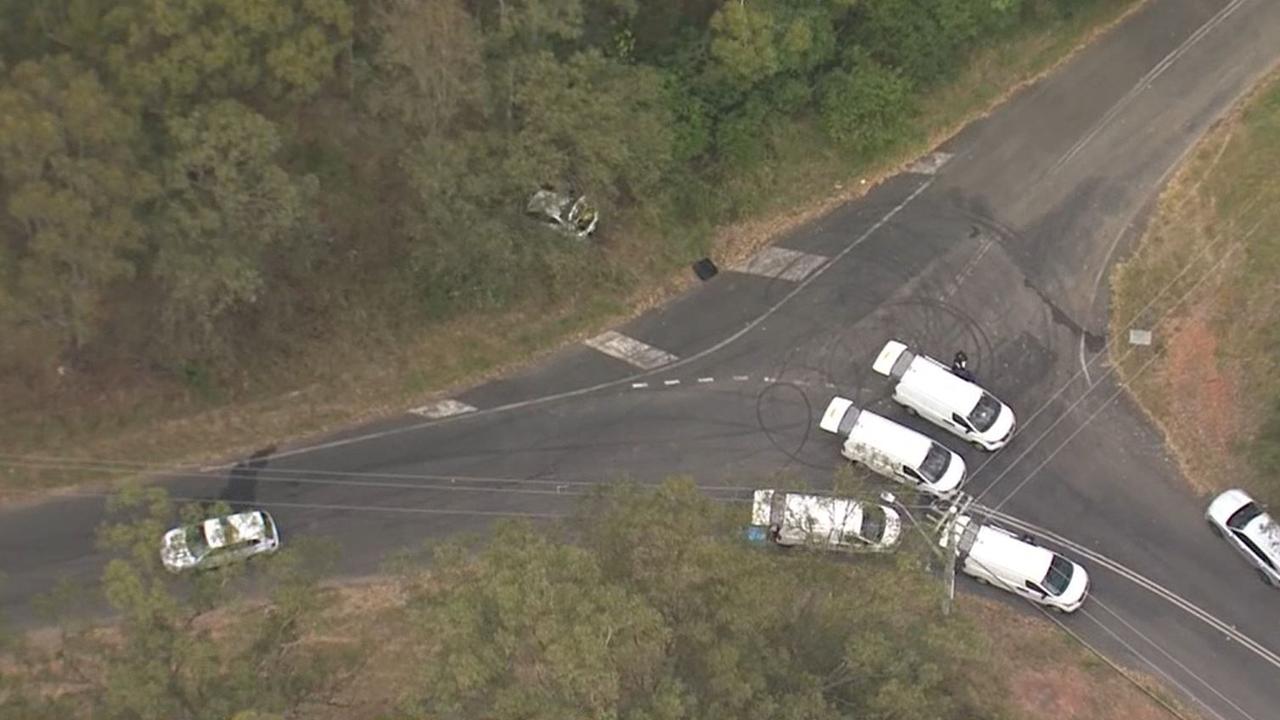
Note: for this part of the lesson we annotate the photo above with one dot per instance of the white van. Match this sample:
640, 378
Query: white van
892, 450
928, 388
835, 523
995, 556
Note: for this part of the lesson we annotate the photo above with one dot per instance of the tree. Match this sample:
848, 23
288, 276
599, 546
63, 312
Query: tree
591, 119
658, 610
530, 630
431, 56
865, 107
174, 52
227, 205
73, 190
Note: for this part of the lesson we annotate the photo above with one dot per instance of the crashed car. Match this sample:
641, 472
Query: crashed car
219, 541
564, 212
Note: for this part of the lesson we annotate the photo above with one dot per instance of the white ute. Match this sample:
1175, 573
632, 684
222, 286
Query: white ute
928, 388
835, 523
892, 450
994, 556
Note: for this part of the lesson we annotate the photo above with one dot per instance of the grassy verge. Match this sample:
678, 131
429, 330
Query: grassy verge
1051, 676
1209, 377
335, 383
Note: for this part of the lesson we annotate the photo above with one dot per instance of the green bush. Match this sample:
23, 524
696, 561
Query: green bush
866, 107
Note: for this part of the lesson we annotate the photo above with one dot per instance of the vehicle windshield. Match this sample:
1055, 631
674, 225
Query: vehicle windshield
1243, 516
1059, 575
872, 523
196, 544
935, 463
985, 413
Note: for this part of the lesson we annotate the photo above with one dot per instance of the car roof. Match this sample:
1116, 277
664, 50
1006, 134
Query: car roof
997, 548
1263, 531
905, 444
823, 513
937, 380
241, 527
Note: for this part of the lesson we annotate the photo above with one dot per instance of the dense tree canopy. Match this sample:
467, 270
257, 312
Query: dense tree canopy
661, 612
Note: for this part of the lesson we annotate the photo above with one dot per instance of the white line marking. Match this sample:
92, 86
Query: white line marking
768, 379
531, 402
639, 385
1151, 586
627, 349
442, 409
1145, 82
929, 164
741, 378
706, 380
1182, 666
1168, 678
670, 382
781, 263
1084, 364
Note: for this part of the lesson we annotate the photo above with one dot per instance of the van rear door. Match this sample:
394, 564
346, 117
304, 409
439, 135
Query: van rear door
839, 417
893, 360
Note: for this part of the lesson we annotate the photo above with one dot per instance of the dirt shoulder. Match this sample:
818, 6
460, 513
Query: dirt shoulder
332, 387
1203, 281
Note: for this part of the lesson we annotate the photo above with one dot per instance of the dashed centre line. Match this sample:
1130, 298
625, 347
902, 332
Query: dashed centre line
627, 349
766, 379
781, 263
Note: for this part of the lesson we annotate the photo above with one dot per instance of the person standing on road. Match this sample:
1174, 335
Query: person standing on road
960, 366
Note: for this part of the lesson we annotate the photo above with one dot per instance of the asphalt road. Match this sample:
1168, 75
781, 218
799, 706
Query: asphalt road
1001, 251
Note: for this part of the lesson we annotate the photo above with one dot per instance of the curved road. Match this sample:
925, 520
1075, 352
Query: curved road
998, 245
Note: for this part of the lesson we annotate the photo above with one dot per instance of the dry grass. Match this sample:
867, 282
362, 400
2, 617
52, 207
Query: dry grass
1209, 378
1049, 675
345, 385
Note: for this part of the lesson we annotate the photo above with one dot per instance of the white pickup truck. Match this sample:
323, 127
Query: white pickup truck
833, 523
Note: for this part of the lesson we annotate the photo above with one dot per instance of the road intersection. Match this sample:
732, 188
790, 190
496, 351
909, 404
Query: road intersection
997, 244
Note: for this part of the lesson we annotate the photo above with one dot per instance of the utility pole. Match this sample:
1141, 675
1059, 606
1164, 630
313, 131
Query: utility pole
946, 528
950, 579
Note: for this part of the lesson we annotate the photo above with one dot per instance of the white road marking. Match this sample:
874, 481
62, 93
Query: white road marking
1145, 82
929, 164
627, 349
741, 378
670, 382
781, 263
1084, 364
442, 409
639, 385
706, 380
